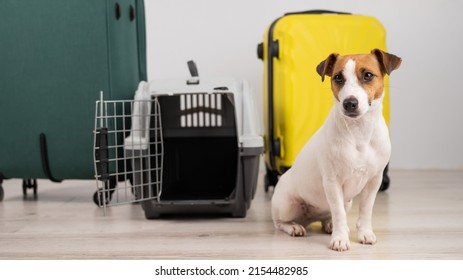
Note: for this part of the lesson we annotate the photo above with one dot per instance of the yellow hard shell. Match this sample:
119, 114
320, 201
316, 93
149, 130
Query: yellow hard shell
301, 101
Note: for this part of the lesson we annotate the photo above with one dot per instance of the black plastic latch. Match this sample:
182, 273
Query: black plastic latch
101, 154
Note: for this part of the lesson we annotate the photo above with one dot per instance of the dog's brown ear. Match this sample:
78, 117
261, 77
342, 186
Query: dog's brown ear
326, 66
387, 61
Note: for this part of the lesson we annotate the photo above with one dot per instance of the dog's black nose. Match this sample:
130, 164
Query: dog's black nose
350, 104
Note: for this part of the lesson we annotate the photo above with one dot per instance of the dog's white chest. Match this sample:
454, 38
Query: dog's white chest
355, 182
360, 174
357, 168
360, 170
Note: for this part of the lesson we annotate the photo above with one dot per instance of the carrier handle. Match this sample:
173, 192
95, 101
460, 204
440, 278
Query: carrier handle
194, 80
317, 12
193, 69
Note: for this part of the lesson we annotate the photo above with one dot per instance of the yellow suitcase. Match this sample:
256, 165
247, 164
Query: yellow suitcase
296, 102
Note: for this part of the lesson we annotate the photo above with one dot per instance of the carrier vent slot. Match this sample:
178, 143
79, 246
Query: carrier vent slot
201, 110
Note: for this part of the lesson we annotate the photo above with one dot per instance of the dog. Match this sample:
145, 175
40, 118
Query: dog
345, 158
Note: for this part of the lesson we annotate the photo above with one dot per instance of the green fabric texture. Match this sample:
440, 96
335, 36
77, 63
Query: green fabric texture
55, 58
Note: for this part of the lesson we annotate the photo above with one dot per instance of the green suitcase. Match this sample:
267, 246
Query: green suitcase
56, 57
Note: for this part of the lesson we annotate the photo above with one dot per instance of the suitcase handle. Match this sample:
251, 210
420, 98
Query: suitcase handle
317, 12
118, 12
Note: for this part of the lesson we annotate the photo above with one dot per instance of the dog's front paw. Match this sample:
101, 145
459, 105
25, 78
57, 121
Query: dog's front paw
292, 229
297, 230
366, 236
340, 243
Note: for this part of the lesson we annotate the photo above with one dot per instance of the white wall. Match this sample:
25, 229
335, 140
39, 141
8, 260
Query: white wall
426, 93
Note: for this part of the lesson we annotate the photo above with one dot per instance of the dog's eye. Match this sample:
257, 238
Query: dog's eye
368, 76
339, 79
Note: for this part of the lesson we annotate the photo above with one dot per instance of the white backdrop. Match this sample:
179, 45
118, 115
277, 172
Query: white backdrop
426, 93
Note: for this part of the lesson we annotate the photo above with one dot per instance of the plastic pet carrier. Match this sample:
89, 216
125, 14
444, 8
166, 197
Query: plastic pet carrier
190, 146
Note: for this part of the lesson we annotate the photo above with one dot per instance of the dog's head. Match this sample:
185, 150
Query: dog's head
357, 80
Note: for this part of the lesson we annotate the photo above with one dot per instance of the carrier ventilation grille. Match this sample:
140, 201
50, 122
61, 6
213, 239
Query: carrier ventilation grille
201, 110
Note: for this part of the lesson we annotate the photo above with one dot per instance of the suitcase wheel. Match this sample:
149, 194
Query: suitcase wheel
99, 199
270, 179
385, 183
30, 184
386, 180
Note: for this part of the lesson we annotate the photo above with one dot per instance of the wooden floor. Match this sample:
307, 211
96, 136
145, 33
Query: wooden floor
419, 217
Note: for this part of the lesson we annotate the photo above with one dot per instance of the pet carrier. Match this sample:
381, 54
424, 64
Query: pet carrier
193, 147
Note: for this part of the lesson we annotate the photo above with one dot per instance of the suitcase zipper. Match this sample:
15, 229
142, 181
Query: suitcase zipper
45, 162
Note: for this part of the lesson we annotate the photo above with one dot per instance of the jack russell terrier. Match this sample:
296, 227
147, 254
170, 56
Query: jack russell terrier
344, 158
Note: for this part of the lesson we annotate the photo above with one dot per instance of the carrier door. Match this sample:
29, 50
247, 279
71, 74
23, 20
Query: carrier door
128, 157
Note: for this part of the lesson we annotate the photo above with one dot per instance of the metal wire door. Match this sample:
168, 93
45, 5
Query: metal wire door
128, 151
